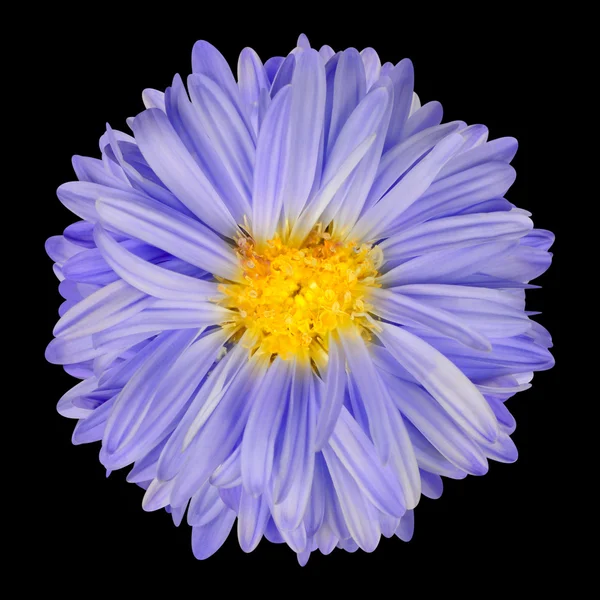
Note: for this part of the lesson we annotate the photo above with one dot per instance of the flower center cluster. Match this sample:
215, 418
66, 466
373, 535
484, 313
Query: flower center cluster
293, 297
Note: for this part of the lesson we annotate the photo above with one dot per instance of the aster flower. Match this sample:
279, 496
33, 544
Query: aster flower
296, 300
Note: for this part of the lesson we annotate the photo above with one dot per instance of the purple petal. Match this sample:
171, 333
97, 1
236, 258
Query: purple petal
443, 380
170, 160
403, 78
271, 159
402, 309
165, 228
252, 521
207, 539
306, 123
252, 78
149, 278
332, 396
376, 220
258, 443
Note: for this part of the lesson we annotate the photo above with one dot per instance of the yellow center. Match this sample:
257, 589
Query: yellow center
295, 296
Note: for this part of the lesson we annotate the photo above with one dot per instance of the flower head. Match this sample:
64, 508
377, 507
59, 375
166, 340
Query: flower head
296, 299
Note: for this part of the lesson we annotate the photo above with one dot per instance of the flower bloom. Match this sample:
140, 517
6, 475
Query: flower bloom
296, 300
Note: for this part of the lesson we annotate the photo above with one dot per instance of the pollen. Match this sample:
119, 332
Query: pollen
294, 297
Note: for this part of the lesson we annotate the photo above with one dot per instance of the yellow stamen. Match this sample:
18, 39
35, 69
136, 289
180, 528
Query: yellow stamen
294, 297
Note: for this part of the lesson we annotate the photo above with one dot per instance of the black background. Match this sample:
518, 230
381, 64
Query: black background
499, 527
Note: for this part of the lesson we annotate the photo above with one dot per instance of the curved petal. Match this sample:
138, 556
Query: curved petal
170, 160
359, 514
258, 443
443, 380
332, 396
349, 88
253, 516
455, 232
207, 539
357, 453
149, 278
271, 158
435, 424
165, 228
252, 78
428, 115
306, 122
294, 461
404, 310
375, 221
229, 137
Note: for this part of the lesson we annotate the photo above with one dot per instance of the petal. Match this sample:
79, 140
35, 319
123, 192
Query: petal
81, 234
60, 249
359, 514
226, 130
295, 458
332, 396
142, 178
217, 437
454, 233
229, 473
315, 512
436, 425
271, 159
284, 75
372, 392
252, 520
428, 115
170, 160
108, 306
208, 396
403, 78
169, 230
404, 310
443, 380
407, 526
429, 458
265, 417
357, 453
94, 170
376, 220
476, 308
187, 121
502, 149
272, 66
153, 99
206, 505
372, 65
306, 123
66, 406
502, 450
349, 88
168, 399
458, 192
80, 197
149, 278
252, 78
446, 266
354, 141
349, 202
433, 485
91, 429
208, 61
207, 539
136, 397
326, 52
403, 156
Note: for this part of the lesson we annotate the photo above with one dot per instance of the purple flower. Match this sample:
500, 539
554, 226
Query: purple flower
296, 300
